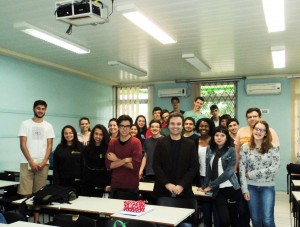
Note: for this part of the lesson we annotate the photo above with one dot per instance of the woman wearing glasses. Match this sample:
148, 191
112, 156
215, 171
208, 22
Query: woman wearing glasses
259, 161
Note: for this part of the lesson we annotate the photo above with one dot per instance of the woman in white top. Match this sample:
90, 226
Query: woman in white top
220, 178
205, 127
84, 135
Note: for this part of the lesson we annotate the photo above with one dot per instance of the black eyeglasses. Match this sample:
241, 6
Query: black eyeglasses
124, 126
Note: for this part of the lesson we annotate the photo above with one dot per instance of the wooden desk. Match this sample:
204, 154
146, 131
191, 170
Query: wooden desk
148, 187
5, 183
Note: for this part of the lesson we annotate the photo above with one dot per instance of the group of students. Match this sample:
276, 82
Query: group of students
235, 166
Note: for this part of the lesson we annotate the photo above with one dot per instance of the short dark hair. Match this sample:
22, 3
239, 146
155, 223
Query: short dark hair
156, 109
39, 102
175, 98
85, 118
190, 119
224, 130
252, 109
124, 118
199, 97
175, 115
232, 120
155, 121
213, 107
164, 111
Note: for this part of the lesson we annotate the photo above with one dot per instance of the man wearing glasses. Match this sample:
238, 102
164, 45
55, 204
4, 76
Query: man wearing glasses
243, 136
123, 158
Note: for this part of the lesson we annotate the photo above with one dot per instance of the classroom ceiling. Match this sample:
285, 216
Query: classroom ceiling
230, 36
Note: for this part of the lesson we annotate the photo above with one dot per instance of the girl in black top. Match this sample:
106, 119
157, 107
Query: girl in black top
95, 176
67, 158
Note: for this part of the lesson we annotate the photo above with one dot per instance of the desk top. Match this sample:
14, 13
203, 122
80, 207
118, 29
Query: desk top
5, 183
148, 187
17, 171
296, 195
25, 224
162, 215
296, 183
170, 216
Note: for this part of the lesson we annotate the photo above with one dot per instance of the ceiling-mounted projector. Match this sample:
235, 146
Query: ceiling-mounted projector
80, 13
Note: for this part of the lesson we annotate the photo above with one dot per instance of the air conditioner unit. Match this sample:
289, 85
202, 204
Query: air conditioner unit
171, 92
263, 89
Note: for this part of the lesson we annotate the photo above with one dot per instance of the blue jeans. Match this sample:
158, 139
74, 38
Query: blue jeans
261, 205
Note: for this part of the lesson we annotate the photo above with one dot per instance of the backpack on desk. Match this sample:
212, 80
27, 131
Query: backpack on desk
47, 195
54, 194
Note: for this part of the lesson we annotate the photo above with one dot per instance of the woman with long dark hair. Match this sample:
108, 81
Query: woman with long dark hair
141, 122
220, 179
95, 176
67, 158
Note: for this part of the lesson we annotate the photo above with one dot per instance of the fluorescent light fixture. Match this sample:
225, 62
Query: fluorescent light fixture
146, 24
51, 38
278, 56
193, 60
274, 15
128, 68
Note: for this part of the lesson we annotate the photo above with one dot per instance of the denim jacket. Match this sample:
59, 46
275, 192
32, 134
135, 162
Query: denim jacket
228, 160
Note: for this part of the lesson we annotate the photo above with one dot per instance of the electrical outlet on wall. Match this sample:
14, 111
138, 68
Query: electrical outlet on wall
264, 111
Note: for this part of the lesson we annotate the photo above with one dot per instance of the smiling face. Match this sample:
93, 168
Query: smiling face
69, 136
84, 125
141, 122
259, 132
175, 126
133, 130
198, 104
155, 129
98, 136
204, 128
252, 118
39, 111
113, 127
233, 127
189, 126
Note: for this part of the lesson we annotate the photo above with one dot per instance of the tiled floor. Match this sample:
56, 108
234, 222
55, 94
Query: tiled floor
283, 216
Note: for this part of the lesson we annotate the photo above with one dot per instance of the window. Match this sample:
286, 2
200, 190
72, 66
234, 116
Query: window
223, 94
132, 101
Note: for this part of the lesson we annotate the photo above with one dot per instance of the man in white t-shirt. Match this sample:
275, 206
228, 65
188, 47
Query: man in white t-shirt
36, 139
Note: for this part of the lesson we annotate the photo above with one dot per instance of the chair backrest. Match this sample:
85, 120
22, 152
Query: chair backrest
7, 176
11, 217
129, 223
182, 203
137, 223
69, 220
